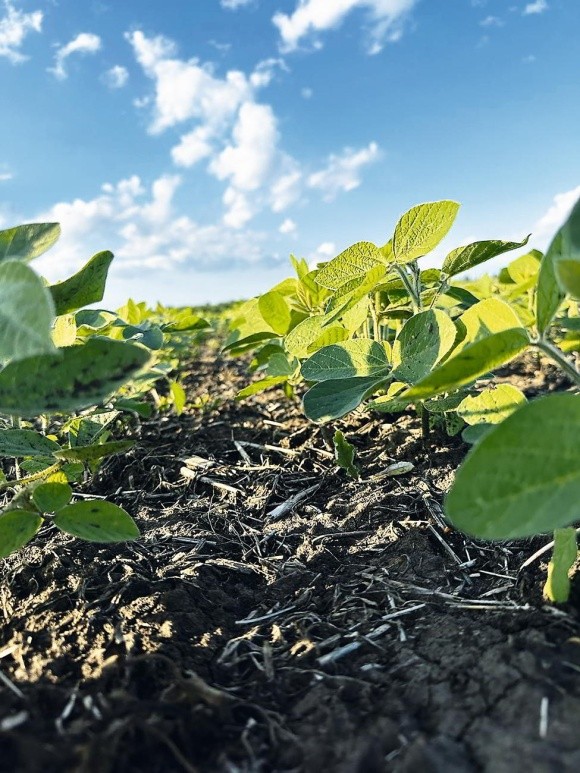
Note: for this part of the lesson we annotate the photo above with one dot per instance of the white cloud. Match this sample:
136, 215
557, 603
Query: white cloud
193, 147
141, 227
286, 189
233, 5
6, 176
187, 90
84, 43
310, 17
322, 253
14, 28
116, 77
342, 173
547, 225
288, 226
491, 21
539, 6
247, 161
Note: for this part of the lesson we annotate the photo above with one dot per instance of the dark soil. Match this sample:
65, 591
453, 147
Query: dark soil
352, 631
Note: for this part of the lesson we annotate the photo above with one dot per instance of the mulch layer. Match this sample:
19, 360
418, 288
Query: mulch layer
278, 616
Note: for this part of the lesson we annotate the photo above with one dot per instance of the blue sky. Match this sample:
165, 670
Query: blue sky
203, 141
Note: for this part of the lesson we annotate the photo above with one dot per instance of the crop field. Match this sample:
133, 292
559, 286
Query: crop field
330, 528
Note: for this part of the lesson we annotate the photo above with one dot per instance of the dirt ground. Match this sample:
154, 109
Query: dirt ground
277, 616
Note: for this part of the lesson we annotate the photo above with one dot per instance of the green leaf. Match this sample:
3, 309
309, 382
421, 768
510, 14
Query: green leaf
94, 452
312, 330
484, 318
97, 521
142, 409
470, 363
347, 296
525, 267
491, 406
557, 587
390, 402
423, 341
354, 262
332, 399
474, 432
50, 497
275, 311
85, 287
73, 378
64, 331
26, 312
261, 386
279, 365
566, 253
523, 477
26, 242
422, 228
179, 397
464, 258
360, 357
549, 295
345, 453
17, 527
26, 442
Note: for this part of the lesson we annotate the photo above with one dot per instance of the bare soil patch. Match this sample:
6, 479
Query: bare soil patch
276, 616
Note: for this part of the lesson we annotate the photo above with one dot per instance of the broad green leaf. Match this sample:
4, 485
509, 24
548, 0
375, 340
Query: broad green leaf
64, 331
261, 386
50, 497
279, 365
356, 316
549, 294
149, 335
345, 453
360, 357
423, 341
94, 319
17, 527
491, 406
523, 477
248, 326
557, 587
142, 409
85, 287
94, 452
347, 296
97, 521
474, 432
422, 228
353, 262
470, 363
484, 318
566, 253
72, 378
84, 430
275, 311
26, 442
332, 399
26, 242
445, 403
311, 330
179, 397
464, 258
525, 267
26, 312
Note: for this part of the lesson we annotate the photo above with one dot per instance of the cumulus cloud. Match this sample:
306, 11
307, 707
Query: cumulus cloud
343, 172
385, 19
547, 225
539, 6
116, 77
228, 127
140, 225
5, 176
288, 226
15, 26
84, 43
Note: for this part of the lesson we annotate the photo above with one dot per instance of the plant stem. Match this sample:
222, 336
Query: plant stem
406, 280
559, 358
33, 477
